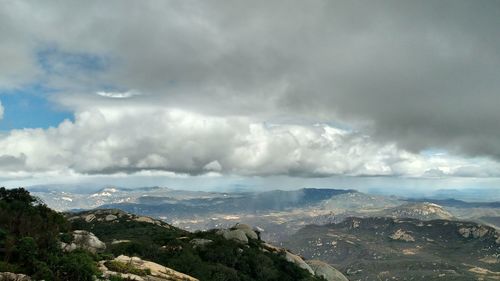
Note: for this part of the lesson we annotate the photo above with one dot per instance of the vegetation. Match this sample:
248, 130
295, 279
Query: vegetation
30, 236
29, 240
126, 268
220, 260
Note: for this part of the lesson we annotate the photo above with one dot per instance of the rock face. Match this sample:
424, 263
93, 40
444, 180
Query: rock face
8, 276
326, 271
84, 240
157, 272
402, 236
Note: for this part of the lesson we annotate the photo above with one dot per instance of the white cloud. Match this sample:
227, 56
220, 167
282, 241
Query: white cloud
118, 95
2, 109
113, 140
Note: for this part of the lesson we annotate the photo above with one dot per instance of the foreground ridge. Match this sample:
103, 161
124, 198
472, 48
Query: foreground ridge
42, 244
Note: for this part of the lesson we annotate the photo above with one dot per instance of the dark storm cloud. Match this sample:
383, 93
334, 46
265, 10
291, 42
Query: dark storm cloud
421, 73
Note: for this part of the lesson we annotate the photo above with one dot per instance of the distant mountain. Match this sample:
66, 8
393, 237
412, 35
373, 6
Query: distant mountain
157, 200
355, 200
403, 249
282, 212
65, 199
450, 202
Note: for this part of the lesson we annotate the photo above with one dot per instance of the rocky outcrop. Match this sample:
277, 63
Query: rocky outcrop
114, 215
9, 276
89, 218
110, 218
249, 232
155, 272
402, 236
237, 235
84, 240
326, 271
474, 231
198, 242
240, 232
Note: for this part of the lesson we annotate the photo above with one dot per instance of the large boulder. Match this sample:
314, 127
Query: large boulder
249, 232
402, 235
9, 276
89, 218
110, 218
156, 272
326, 271
237, 235
84, 240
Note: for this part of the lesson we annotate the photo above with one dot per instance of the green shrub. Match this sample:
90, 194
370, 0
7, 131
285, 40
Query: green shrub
77, 266
27, 251
42, 271
8, 267
122, 267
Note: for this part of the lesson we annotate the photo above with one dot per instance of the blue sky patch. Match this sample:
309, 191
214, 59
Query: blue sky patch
30, 108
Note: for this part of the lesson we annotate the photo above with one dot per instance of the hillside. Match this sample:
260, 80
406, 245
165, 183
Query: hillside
115, 245
403, 249
421, 211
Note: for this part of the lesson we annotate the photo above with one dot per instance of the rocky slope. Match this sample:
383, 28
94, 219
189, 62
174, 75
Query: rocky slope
140, 270
403, 249
421, 211
40, 244
148, 244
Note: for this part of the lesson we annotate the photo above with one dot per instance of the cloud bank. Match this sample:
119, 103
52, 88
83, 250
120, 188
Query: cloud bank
108, 140
232, 87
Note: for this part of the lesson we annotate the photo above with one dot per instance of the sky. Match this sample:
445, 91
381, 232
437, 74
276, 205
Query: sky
399, 94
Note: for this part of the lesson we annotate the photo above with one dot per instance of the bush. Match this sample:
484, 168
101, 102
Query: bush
42, 271
27, 251
77, 266
126, 268
8, 267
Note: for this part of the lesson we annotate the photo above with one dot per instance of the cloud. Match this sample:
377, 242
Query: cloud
2, 109
118, 95
111, 140
412, 75
12, 163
